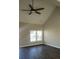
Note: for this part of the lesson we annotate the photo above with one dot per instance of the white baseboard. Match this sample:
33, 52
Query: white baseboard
38, 44
52, 45
30, 45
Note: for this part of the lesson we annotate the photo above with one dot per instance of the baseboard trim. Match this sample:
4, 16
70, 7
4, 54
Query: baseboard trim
53, 46
38, 45
31, 46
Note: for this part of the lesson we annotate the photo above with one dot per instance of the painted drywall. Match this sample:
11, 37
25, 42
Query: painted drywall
52, 29
24, 34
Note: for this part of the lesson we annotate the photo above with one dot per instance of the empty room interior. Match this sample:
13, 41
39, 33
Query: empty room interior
39, 29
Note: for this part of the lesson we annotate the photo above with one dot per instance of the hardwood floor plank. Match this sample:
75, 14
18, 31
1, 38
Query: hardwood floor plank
39, 52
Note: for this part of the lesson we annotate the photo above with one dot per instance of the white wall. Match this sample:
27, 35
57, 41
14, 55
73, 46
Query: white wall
24, 34
52, 29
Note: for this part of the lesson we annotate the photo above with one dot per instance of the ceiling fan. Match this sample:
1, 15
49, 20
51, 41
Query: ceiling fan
33, 9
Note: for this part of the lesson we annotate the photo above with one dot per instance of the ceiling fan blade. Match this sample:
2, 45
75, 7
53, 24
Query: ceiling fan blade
30, 13
40, 9
24, 10
37, 12
30, 6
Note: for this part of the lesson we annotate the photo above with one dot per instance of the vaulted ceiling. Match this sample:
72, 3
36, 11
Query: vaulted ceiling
34, 18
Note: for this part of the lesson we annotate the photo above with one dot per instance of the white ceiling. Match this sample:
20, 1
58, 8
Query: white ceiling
49, 6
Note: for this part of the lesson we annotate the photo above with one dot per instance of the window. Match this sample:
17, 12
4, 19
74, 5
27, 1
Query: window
35, 35
39, 35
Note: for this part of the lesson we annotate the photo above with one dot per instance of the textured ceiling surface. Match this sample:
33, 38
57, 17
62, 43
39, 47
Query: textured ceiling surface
34, 18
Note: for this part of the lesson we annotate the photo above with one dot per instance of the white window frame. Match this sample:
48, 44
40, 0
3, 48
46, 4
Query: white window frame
36, 36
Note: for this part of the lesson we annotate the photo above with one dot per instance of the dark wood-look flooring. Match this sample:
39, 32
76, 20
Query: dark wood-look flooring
39, 52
